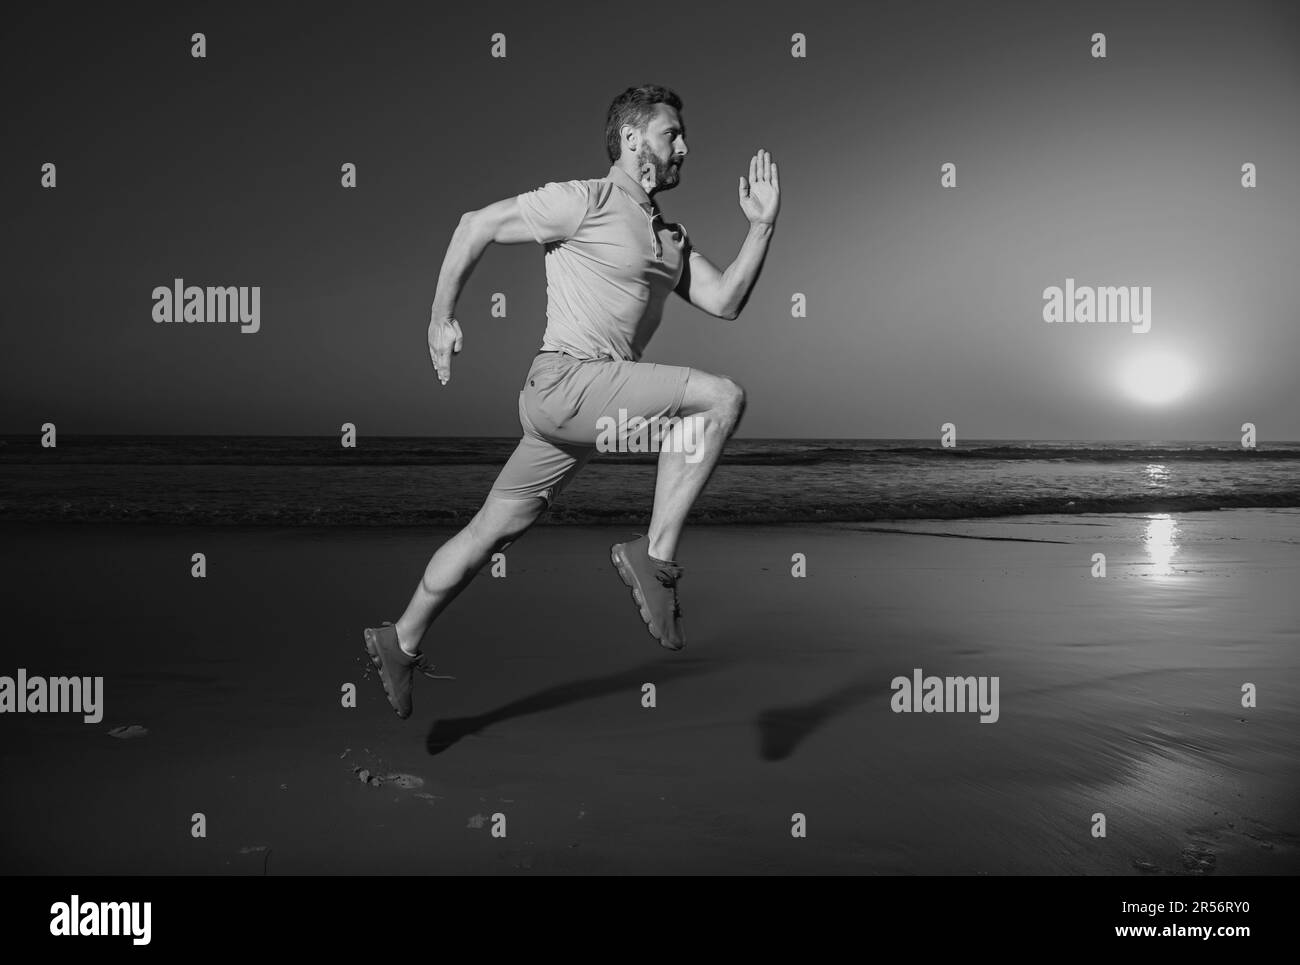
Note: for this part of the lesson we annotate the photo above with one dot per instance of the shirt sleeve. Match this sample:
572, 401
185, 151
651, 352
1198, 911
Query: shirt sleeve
555, 211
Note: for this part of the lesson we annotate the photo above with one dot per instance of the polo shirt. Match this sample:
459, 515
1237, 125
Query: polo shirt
611, 263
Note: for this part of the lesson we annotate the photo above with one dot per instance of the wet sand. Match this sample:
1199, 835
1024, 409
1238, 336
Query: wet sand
1119, 695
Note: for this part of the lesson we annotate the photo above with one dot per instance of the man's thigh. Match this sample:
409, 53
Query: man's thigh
574, 402
538, 467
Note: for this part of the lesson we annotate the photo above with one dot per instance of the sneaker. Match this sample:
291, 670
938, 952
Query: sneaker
396, 667
654, 589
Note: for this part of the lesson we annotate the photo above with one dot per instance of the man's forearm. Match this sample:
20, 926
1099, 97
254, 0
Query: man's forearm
739, 277
463, 253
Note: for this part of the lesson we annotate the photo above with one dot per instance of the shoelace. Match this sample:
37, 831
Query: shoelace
421, 663
668, 576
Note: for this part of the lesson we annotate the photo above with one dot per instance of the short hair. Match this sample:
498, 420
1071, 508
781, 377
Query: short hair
634, 106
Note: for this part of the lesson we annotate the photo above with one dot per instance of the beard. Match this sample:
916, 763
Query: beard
656, 174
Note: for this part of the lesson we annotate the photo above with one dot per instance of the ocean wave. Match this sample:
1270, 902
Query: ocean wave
100, 510
261, 451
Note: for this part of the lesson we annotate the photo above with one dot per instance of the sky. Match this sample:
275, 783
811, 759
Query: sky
924, 303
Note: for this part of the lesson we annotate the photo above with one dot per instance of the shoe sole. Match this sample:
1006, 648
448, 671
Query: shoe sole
372, 649
625, 573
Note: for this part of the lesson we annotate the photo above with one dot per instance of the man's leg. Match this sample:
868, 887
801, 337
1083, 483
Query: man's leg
497, 524
536, 472
716, 403
534, 475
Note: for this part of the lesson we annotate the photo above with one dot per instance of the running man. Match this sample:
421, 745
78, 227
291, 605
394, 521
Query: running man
611, 261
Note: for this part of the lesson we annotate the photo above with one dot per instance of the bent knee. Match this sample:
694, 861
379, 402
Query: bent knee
716, 397
730, 398
737, 395
502, 521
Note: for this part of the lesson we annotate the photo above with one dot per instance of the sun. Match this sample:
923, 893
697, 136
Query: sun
1155, 378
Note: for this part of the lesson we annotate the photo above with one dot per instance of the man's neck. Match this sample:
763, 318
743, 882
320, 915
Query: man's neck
647, 182
631, 184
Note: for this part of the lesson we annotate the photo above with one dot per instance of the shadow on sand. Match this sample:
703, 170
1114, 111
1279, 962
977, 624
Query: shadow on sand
446, 733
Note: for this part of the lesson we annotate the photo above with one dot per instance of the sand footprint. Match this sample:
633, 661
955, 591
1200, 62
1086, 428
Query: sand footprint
408, 781
1198, 858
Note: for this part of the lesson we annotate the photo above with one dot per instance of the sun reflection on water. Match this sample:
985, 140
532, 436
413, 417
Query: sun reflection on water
1161, 539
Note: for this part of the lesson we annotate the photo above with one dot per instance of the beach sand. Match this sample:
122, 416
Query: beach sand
1119, 695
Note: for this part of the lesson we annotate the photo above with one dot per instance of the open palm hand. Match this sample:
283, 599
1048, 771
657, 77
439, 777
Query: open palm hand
760, 195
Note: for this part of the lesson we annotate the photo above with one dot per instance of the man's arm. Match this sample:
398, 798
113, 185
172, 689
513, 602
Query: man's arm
724, 293
500, 222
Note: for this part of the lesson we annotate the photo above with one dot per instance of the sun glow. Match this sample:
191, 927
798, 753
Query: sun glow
1155, 378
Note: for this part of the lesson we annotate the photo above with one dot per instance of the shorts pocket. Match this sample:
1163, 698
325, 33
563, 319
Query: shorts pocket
547, 397
545, 372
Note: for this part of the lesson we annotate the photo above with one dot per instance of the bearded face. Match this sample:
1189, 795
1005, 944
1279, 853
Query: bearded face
657, 172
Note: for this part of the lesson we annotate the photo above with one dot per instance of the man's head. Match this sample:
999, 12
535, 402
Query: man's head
645, 135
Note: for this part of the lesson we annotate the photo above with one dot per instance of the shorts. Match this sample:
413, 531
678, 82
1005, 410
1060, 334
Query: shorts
564, 402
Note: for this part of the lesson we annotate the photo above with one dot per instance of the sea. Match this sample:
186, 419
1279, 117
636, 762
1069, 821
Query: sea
434, 481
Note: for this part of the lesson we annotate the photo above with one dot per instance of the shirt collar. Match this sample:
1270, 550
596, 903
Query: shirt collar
633, 187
